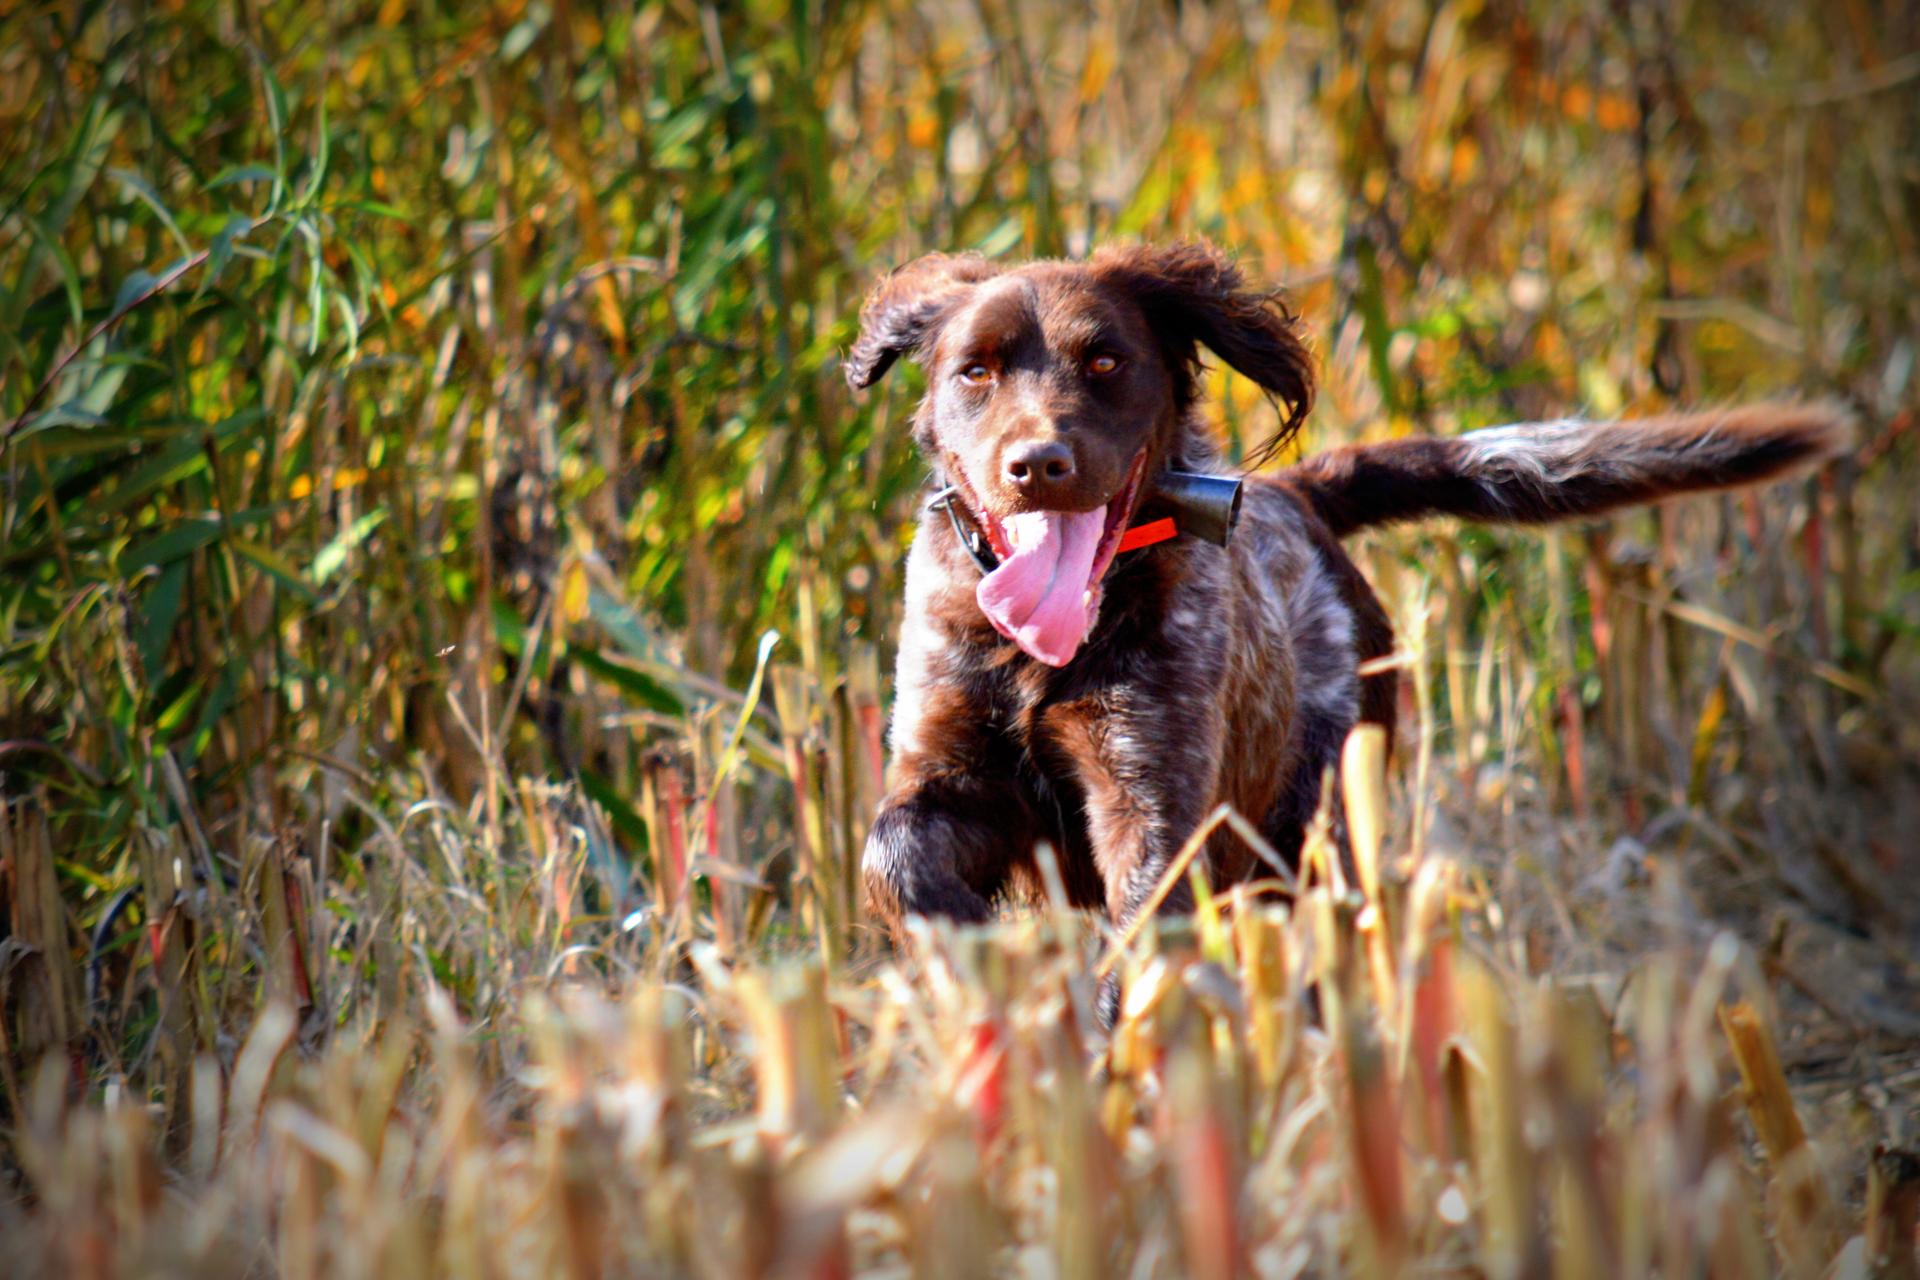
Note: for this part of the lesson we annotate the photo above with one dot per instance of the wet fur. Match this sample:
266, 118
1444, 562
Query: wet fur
1210, 674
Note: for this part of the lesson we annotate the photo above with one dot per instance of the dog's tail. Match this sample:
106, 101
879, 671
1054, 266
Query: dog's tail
1537, 472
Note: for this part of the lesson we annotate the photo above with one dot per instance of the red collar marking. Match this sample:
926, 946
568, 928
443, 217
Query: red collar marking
1145, 535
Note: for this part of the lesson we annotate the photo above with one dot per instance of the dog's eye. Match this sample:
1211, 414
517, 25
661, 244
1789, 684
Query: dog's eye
1101, 366
976, 375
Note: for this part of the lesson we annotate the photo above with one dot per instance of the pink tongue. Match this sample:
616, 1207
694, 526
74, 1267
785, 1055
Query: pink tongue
1037, 598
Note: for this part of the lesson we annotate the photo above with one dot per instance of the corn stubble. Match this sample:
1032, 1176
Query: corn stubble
1352, 1079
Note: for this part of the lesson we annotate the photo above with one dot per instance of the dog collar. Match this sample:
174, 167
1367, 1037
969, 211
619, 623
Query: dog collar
1205, 506
972, 541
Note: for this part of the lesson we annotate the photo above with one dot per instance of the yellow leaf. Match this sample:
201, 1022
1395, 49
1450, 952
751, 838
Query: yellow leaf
573, 593
1093, 80
1466, 158
1703, 739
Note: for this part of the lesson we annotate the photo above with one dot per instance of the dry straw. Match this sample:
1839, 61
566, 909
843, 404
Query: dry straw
1350, 1077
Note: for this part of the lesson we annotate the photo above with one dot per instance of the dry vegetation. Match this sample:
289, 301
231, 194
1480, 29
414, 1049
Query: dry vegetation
413, 861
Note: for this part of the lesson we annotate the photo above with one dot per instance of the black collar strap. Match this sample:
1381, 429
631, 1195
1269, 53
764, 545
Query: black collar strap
971, 540
1204, 506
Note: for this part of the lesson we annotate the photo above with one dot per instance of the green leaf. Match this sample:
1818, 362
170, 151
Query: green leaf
182, 540
349, 322
182, 457
155, 626
637, 685
132, 289
1003, 237
521, 35
69, 274
508, 629
620, 622
276, 125
241, 173
187, 536
330, 557
174, 714
140, 187
374, 208
277, 567
220, 251
323, 153
619, 812
68, 414
215, 707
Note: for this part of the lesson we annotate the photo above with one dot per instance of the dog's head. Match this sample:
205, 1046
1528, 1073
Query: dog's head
1057, 391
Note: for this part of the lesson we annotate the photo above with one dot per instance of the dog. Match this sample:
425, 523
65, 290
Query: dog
1052, 688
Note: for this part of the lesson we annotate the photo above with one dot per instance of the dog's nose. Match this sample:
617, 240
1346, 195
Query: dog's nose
1036, 467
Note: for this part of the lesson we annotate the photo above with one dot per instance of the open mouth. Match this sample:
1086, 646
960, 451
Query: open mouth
1119, 510
1046, 591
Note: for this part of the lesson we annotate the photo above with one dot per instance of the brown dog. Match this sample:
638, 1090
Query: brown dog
1107, 702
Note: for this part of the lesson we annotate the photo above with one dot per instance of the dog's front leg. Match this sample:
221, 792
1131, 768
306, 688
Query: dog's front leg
1146, 761
943, 845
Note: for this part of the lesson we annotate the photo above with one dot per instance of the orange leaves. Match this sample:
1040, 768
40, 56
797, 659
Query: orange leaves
1614, 112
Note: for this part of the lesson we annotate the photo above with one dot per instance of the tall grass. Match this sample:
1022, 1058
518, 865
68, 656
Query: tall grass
415, 421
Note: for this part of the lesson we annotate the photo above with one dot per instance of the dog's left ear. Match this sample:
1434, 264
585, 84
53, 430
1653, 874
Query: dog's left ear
1194, 293
905, 309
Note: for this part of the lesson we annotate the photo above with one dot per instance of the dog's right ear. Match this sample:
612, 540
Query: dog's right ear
904, 310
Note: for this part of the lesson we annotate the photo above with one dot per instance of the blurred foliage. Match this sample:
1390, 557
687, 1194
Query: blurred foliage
396, 400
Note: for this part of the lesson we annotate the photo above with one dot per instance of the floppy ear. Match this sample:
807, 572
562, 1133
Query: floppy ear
905, 308
1193, 293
